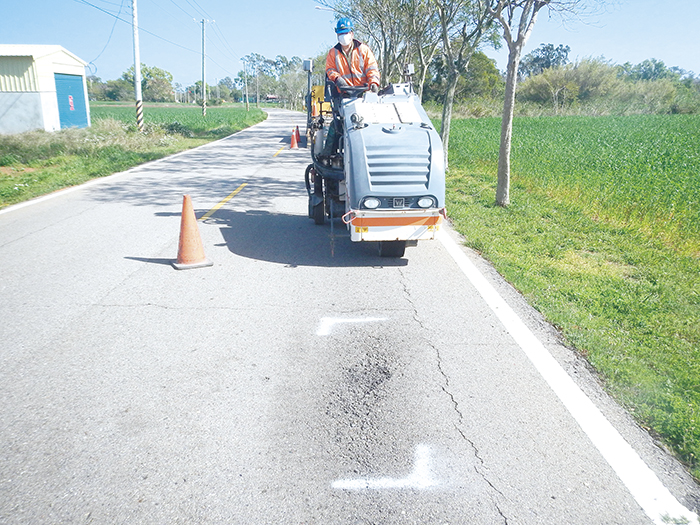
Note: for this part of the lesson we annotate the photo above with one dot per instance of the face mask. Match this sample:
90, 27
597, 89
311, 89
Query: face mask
345, 39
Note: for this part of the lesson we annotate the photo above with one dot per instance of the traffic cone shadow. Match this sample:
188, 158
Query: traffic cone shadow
190, 253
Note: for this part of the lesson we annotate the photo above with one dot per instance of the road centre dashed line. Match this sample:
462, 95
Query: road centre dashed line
234, 193
220, 204
654, 498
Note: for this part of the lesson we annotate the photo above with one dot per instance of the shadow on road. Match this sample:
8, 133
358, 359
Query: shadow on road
294, 240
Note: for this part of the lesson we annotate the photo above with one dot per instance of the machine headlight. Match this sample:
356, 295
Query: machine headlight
426, 202
371, 203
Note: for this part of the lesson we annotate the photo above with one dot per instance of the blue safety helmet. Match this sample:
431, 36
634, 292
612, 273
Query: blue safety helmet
344, 26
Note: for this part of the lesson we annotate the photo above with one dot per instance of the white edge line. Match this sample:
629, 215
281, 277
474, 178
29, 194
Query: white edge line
654, 498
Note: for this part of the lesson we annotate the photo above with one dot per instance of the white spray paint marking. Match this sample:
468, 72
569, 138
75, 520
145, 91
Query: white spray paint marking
656, 500
420, 478
327, 323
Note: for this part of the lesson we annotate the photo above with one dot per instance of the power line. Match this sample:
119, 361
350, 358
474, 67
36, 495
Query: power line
167, 11
111, 3
221, 36
141, 28
199, 10
116, 19
181, 9
228, 49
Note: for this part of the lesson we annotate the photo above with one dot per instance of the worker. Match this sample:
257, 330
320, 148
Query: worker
349, 63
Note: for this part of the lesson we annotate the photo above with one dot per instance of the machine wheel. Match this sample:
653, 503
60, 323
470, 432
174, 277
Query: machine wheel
319, 213
392, 248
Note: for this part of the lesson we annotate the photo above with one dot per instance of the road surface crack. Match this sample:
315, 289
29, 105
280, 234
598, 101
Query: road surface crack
446, 388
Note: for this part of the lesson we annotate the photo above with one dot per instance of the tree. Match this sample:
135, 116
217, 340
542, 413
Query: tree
653, 69
424, 37
96, 88
482, 79
119, 89
545, 57
156, 83
554, 84
463, 24
517, 18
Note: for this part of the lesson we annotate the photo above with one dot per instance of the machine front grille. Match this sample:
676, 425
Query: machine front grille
398, 166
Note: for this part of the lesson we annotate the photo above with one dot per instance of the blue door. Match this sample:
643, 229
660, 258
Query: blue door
72, 110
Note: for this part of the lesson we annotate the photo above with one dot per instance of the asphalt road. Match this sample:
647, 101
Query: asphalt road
301, 379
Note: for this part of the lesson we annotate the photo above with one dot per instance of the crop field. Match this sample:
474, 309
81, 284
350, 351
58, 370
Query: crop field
185, 119
638, 170
603, 237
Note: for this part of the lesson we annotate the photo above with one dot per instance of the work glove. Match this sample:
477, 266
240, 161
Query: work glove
341, 83
374, 88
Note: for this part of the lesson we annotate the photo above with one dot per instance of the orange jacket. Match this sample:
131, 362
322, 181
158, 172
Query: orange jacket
362, 69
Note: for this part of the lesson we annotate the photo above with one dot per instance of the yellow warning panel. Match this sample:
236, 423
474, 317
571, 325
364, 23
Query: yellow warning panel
317, 94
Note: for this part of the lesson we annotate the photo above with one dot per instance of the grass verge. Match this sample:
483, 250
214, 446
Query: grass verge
621, 286
37, 163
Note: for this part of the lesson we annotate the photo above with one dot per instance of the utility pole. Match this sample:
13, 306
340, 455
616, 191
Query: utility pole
204, 70
257, 86
137, 67
245, 79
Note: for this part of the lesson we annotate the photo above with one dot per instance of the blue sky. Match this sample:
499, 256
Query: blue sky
630, 30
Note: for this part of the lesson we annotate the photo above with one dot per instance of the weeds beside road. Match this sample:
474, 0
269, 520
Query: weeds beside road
36, 163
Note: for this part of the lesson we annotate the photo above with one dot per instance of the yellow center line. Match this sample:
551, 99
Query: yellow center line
233, 194
213, 210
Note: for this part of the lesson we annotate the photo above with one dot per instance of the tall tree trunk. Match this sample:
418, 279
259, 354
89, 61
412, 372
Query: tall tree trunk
449, 99
503, 187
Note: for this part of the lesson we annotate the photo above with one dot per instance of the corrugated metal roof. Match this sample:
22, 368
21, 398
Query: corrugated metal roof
36, 51
17, 73
18, 65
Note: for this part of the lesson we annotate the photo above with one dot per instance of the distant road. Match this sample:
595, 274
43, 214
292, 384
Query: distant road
289, 383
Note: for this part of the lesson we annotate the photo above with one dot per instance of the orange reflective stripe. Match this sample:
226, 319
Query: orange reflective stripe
396, 221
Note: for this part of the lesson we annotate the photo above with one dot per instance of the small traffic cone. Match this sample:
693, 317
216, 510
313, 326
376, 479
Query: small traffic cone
294, 140
190, 253
314, 110
298, 136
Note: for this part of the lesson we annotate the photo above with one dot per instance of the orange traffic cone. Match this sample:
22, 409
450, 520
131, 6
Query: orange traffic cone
190, 253
294, 140
298, 136
314, 110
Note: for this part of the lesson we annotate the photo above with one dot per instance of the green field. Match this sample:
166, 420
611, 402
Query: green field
185, 119
603, 237
36, 163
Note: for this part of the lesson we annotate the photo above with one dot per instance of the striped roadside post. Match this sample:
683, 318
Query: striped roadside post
139, 114
137, 67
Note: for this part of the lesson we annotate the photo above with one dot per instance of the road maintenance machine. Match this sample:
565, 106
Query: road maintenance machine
385, 177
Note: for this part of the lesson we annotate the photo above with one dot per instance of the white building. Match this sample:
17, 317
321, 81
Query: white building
41, 87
